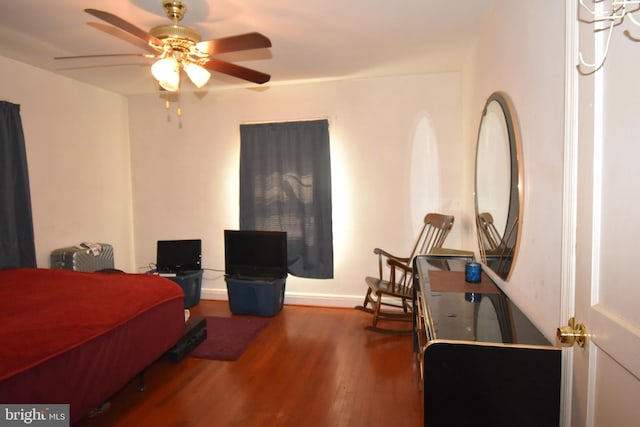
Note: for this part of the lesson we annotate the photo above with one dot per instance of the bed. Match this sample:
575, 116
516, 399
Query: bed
77, 338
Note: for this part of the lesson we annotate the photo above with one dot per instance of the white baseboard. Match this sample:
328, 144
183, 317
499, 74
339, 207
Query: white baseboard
298, 298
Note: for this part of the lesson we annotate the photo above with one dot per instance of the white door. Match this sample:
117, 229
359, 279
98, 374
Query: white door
602, 200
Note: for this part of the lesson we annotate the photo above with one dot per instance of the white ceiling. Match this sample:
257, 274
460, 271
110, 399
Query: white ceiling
312, 39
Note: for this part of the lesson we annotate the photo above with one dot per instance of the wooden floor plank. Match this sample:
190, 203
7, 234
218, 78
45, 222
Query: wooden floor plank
309, 367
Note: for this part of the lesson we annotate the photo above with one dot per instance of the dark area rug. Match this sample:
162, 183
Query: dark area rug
228, 337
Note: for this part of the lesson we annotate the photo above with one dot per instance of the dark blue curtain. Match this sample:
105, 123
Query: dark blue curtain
285, 185
17, 248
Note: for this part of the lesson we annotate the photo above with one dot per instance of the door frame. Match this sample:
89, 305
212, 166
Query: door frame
569, 202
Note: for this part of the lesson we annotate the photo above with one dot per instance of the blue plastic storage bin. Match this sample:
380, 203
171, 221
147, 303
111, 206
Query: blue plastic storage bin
260, 297
191, 284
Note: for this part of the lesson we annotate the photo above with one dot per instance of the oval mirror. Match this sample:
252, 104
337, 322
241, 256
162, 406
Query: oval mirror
498, 185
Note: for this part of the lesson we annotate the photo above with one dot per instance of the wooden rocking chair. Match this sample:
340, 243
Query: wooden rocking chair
396, 290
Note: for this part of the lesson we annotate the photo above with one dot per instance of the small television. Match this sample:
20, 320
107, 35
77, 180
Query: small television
178, 256
259, 254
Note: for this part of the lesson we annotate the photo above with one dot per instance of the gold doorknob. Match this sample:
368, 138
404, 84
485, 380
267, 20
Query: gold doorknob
572, 334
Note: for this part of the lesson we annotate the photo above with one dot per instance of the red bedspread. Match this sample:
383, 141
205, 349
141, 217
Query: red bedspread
47, 312
49, 317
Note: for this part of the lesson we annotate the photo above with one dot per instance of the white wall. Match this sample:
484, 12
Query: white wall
521, 52
185, 178
77, 141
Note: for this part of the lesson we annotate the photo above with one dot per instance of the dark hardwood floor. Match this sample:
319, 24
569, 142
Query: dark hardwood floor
309, 367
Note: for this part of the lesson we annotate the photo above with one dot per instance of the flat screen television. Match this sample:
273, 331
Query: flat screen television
259, 254
179, 256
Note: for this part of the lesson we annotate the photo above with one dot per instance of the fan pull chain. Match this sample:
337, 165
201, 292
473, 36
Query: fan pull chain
167, 105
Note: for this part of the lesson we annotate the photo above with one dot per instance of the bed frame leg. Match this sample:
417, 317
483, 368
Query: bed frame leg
141, 385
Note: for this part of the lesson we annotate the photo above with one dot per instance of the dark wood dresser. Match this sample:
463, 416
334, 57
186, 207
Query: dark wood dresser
482, 362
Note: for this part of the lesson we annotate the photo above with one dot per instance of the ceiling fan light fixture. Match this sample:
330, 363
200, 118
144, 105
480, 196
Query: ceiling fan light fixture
199, 75
167, 72
177, 46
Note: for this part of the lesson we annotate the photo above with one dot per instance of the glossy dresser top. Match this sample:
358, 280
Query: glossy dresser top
471, 312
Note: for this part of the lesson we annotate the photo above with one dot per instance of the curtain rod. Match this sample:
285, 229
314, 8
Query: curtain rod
262, 122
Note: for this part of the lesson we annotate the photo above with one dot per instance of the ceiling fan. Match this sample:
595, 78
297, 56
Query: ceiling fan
179, 47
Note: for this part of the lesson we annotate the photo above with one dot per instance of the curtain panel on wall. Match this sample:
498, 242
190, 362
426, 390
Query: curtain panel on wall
285, 185
17, 248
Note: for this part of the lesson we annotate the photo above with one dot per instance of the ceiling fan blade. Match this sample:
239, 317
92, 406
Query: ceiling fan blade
145, 55
237, 71
234, 43
126, 26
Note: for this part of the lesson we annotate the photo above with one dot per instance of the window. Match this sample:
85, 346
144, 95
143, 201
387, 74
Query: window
285, 185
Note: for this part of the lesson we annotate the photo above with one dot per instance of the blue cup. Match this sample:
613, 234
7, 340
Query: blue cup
472, 272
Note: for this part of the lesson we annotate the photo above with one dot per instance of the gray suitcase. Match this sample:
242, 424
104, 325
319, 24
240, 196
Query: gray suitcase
84, 257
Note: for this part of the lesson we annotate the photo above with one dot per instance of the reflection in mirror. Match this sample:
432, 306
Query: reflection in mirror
493, 319
498, 189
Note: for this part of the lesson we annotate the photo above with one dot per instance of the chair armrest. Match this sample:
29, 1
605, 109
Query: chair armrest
396, 264
398, 280
386, 254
